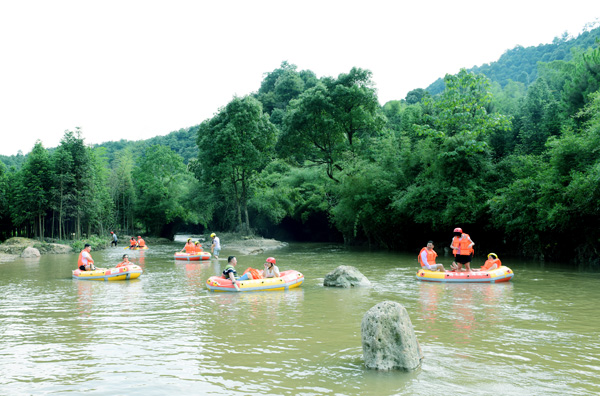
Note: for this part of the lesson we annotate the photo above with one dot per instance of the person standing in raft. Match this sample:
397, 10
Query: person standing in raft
189, 247
427, 258
85, 262
114, 239
215, 248
125, 262
462, 248
140, 242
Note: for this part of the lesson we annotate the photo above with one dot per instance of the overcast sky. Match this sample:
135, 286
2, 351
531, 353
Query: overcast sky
137, 69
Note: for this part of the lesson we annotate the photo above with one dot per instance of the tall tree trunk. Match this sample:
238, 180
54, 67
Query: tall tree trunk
245, 203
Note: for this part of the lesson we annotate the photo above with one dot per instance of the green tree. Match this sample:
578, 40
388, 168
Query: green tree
322, 124
234, 145
159, 186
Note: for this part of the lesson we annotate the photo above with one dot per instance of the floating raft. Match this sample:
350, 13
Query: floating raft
502, 274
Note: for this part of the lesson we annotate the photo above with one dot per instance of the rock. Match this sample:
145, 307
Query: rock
30, 252
345, 276
388, 338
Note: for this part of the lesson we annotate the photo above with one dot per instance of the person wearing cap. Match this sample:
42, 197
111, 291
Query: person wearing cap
427, 258
492, 263
189, 247
462, 248
114, 239
140, 242
271, 270
215, 248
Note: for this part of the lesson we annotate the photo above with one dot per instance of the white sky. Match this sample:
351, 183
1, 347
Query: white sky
137, 69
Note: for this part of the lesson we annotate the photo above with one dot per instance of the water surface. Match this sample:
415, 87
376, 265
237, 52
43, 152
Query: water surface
164, 333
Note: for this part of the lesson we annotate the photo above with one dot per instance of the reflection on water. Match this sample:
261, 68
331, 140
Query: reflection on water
164, 333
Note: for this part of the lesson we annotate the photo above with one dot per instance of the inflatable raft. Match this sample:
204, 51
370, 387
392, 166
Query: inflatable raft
288, 280
109, 274
502, 274
192, 256
138, 248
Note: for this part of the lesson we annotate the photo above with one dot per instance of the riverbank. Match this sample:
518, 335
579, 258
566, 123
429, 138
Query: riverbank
12, 248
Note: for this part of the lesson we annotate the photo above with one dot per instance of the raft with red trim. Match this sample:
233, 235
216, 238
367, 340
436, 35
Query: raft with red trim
109, 274
288, 280
138, 248
502, 274
192, 256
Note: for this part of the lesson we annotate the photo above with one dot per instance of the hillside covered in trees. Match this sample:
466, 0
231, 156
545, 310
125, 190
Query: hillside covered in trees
514, 163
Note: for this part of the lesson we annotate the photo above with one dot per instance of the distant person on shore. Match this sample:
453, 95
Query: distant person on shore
125, 262
140, 242
114, 239
271, 270
85, 261
462, 248
132, 243
189, 247
215, 247
427, 258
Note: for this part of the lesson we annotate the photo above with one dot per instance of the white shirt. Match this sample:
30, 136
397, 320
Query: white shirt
217, 242
424, 259
270, 272
85, 256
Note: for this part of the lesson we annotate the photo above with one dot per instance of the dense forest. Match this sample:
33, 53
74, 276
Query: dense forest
514, 161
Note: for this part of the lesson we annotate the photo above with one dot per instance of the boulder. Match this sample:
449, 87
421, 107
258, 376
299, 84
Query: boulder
345, 276
388, 339
30, 252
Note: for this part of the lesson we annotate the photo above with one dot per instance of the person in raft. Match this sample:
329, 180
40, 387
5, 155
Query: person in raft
189, 247
85, 262
140, 242
230, 273
197, 247
132, 243
114, 239
271, 270
215, 248
462, 248
125, 262
492, 263
427, 258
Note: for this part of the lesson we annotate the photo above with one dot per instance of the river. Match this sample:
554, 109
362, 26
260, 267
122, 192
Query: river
164, 333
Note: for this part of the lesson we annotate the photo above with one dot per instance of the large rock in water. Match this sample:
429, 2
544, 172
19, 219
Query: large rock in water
388, 338
30, 252
345, 276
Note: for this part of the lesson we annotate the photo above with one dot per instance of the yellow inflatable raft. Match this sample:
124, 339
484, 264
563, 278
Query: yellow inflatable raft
288, 280
109, 274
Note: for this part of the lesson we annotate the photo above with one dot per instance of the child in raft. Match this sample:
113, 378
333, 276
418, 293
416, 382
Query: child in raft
125, 262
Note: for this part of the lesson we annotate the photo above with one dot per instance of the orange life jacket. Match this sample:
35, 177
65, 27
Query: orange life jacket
80, 260
491, 262
431, 255
141, 242
461, 245
123, 264
254, 272
190, 248
198, 248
